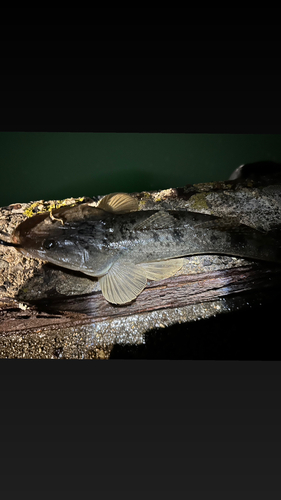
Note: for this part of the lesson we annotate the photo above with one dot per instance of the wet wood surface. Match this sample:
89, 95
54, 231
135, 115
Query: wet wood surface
55, 312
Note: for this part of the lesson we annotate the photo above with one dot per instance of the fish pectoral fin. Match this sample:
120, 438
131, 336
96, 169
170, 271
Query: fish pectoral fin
118, 203
123, 282
162, 269
160, 220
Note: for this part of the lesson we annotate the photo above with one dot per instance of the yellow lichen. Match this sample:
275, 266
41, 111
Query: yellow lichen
71, 202
142, 203
29, 211
198, 202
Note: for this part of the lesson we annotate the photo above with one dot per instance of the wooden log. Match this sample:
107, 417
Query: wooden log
41, 303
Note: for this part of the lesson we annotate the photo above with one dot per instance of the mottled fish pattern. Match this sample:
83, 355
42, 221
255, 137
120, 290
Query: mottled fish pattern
124, 247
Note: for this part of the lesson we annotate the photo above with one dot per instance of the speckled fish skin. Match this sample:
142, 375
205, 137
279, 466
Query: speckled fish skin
90, 240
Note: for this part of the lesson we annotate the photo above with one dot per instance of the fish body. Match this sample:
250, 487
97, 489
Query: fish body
123, 247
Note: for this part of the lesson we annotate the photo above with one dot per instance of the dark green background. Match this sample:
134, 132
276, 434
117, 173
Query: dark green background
47, 165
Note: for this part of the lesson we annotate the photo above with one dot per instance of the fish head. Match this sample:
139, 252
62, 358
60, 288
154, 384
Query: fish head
73, 238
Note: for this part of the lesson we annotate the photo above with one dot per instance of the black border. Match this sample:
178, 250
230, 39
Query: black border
263, 120
133, 410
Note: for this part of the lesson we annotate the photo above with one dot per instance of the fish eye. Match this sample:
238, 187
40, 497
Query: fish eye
49, 244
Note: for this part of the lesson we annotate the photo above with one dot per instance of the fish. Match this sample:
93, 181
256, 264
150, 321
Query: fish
124, 247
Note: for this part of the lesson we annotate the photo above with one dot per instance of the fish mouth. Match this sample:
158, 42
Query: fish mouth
27, 233
10, 244
16, 240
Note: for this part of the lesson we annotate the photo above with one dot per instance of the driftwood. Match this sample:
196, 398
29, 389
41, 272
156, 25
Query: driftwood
47, 312
183, 290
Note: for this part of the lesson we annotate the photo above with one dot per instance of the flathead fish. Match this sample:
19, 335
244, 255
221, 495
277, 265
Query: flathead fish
124, 247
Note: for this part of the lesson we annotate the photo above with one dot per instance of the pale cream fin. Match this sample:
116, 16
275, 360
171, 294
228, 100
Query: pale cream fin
123, 282
162, 269
118, 203
160, 220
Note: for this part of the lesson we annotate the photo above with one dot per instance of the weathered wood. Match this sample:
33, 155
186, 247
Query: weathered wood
169, 293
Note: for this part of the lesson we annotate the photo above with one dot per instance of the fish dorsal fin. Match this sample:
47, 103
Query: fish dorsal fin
160, 220
118, 203
162, 269
123, 282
